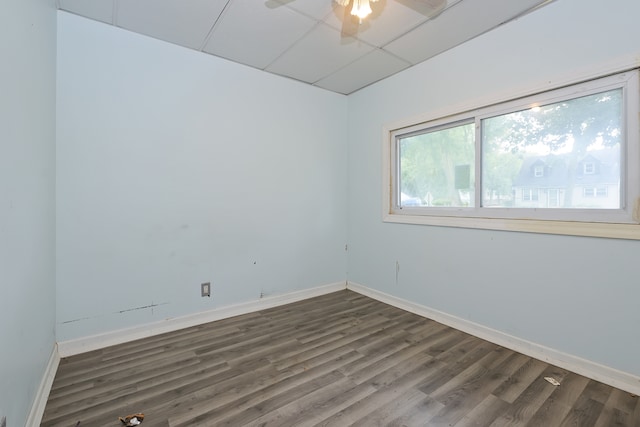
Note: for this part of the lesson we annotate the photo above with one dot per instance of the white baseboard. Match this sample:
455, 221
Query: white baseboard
42, 394
95, 342
613, 377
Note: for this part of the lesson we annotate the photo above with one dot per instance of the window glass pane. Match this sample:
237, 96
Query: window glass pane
572, 147
437, 168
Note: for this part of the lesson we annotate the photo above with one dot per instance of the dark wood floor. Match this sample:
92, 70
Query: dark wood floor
337, 360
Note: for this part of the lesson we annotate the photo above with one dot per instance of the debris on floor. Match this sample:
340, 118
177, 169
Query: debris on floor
552, 380
132, 420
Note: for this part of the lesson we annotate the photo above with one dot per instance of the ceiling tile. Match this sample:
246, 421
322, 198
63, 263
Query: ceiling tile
100, 10
372, 67
321, 52
309, 40
468, 18
255, 34
171, 20
316, 9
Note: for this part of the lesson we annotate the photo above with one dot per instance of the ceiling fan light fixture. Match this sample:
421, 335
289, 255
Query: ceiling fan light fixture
361, 9
343, 3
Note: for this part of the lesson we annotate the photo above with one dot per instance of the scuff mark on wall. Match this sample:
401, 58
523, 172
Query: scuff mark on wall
144, 307
75, 320
151, 306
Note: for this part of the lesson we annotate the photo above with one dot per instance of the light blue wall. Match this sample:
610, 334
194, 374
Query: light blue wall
577, 295
27, 201
176, 168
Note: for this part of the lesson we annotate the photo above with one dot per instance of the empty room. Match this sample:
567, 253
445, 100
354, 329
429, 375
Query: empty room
310, 212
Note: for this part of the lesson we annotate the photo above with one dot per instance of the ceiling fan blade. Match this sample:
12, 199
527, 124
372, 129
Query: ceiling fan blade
428, 8
272, 4
350, 23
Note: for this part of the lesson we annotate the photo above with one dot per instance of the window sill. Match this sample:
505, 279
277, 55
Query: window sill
567, 228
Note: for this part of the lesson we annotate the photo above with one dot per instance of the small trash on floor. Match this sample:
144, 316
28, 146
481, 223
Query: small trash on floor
552, 381
132, 420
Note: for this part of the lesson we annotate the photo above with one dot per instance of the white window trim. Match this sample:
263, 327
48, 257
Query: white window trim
589, 168
627, 227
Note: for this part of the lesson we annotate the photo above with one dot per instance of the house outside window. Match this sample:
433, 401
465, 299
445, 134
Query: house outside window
602, 181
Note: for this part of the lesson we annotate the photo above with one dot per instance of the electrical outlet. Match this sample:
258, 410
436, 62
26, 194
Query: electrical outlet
205, 290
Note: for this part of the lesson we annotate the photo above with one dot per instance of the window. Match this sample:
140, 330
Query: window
589, 168
529, 194
553, 197
595, 192
533, 163
435, 166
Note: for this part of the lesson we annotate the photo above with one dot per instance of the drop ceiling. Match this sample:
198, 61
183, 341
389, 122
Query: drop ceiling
313, 41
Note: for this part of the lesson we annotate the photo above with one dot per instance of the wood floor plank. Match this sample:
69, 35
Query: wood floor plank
339, 359
618, 409
363, 370
468, 380
513, 387
490, 408
585, 413
174, 366
560, 402
301, 410
626, 401
390, 410
419, 414
326, 408
255, 410
531, 399
392, 382
136, 400
457, 359
466, 391
257, 396
589, 405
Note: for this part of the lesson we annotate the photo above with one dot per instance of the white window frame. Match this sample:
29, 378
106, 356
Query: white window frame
530, 194
553, 197
595, 192
613, 223
589, 168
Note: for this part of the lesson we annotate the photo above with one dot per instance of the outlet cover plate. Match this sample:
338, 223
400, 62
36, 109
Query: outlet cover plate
205, 289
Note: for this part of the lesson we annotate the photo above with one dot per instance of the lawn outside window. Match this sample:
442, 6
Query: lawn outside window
565, 161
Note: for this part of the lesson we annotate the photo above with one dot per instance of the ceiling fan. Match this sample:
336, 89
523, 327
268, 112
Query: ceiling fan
354, 13
362, 8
